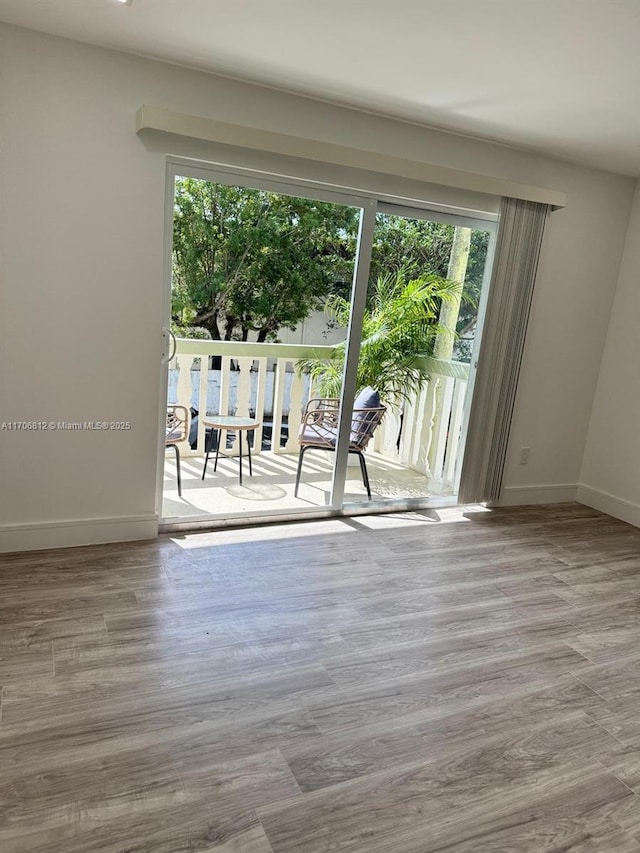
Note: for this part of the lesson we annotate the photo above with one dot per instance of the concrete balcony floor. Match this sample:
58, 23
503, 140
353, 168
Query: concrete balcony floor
272, 484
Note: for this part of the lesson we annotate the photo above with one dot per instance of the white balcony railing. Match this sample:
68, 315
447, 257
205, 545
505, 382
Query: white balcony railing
260, 380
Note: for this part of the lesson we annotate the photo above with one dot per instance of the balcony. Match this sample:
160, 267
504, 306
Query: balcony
414, 454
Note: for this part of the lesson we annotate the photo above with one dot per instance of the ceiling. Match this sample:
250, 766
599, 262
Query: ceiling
558, 76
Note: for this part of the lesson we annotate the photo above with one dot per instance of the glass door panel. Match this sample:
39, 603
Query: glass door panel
256, 274
421, 331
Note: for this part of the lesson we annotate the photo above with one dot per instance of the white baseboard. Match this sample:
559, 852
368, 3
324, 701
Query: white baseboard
610, 504
66, 534
545, 494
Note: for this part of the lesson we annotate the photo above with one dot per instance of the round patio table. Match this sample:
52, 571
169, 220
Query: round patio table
230, 423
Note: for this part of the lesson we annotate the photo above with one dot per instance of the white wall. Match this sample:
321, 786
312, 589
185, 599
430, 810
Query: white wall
610, 477
314, 330
567, 327
81, 242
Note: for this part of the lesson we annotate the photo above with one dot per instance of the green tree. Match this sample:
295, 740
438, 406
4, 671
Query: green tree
249, 260
400, 326
468, 313
450, 311
416, 246
421, 247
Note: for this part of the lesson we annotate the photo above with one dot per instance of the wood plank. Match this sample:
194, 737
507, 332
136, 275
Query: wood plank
390, 684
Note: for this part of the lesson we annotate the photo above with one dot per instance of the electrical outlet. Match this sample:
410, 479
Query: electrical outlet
524, 455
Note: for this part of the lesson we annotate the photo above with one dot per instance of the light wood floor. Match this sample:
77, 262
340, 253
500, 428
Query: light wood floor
399, 684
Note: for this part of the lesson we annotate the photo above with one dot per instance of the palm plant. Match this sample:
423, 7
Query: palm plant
399, 328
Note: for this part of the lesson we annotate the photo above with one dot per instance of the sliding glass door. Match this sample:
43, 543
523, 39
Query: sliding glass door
422, 331
324, 348
255, 268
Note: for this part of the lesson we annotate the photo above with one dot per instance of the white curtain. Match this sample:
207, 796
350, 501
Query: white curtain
520, 231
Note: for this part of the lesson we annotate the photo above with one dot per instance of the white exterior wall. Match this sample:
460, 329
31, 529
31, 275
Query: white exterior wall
81, 243
313, 331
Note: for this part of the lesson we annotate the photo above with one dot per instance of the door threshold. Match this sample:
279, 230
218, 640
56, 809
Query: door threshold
373, 508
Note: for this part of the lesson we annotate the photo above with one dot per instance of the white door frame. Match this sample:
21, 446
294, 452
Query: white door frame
242, 177
370, 206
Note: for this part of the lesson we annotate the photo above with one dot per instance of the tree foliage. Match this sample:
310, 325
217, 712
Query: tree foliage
400, 325
249, 260
471, 294
253, 262
418, 247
